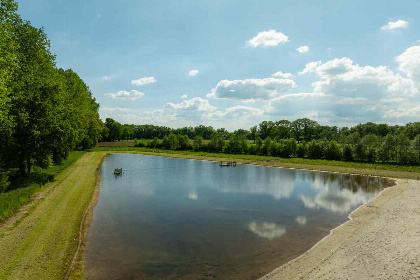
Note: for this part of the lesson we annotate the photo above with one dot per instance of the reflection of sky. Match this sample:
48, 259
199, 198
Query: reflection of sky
301, 220
181, 209
267, 230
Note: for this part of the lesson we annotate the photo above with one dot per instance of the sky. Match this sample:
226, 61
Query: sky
233, 64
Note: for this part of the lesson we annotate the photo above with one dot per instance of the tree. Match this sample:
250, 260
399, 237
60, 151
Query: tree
198, 143
217, 143
254, 131
416, 148
332, 151
304, 128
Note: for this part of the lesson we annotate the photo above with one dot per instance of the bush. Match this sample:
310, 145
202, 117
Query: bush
4, 182
301, 150
315, 150
347, 153
154, 143
140, 143
332, 151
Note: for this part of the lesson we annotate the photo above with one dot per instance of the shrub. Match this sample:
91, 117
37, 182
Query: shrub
4, 182
347, 153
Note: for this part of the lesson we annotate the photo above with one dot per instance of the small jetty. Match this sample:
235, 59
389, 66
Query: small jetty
118, 171
227, 163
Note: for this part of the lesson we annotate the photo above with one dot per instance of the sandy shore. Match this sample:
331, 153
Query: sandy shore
381, 241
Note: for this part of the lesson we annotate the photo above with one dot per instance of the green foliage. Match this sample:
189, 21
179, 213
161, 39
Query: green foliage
45, 112
198, 143
347, 153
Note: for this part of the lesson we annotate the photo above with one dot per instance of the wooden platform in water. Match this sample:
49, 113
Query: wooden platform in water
228, 163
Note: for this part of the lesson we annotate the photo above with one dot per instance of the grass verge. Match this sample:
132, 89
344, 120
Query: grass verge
375, 169
42, 245
22, 189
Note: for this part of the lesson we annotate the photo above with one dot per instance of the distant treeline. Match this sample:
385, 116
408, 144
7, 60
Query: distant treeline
45, 112
303, 138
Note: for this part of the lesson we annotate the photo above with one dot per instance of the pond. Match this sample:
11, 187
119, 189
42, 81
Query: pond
167, 218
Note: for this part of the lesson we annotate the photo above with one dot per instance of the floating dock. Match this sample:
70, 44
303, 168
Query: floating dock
227, 163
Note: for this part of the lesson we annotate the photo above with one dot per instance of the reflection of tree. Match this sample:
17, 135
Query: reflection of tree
353, 183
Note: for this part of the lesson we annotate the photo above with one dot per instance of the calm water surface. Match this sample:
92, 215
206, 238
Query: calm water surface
170, 218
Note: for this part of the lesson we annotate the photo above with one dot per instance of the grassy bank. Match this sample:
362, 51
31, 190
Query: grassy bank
22, 189
376, 169
42, 245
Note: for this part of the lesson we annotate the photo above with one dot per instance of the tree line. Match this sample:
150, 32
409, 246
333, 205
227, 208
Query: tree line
45, 112
303, 138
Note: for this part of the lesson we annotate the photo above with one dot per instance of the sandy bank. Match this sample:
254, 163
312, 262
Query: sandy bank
381, 241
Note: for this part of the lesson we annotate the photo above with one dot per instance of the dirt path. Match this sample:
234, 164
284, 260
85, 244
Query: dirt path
43, 243
382, 241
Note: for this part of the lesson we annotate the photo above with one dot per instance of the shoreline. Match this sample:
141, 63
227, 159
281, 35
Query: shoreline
274, 273
357, 218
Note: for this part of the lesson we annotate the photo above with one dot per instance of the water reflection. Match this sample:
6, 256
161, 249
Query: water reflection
301, 220
184, 219
267, 230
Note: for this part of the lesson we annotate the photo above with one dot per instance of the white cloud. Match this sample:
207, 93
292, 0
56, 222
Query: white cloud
270, 38
395, 25
144, 81
409, 63
116, 109
155, 117
267, 230
106, 78
184, 96
280, 74
194, 104
302, 49
130, 95
310, 67
235, 112
347, 93
193, 73
252, 89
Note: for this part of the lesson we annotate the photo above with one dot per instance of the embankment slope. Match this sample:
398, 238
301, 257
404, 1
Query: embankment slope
42, 244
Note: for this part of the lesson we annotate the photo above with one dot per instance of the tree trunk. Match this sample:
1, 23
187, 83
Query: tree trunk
28, 164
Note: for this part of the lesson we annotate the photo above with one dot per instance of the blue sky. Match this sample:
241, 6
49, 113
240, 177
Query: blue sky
360, 60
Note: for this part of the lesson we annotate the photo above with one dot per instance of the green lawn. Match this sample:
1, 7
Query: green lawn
22, 189
43, 244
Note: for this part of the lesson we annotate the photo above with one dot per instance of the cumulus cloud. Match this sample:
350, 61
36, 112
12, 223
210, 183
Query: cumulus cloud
130, 95
116, 109
252, 89
270, 38
144, 81
193, 73
194, 104
280, 74
156, 117
409, 63
391, 25
267, 230
184, 96
235, 112
302, 49
347, 93
106, 78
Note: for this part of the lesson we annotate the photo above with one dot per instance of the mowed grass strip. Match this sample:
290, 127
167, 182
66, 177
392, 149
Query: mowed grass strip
43, 244
373, 169
26, 188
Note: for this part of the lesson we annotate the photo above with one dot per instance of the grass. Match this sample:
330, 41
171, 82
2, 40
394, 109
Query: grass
42, 245
378, 169
22, 189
